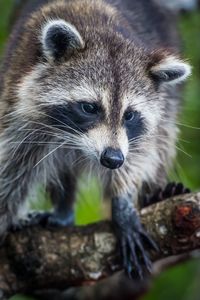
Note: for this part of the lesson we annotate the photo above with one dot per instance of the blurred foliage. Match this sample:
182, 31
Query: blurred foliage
5, 15
189, 165
88, 207
20, 297
180, 282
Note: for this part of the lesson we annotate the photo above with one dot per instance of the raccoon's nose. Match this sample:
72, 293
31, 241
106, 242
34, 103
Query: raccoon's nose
112, 158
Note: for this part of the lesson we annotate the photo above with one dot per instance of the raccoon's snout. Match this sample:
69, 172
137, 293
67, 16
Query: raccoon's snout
112, 158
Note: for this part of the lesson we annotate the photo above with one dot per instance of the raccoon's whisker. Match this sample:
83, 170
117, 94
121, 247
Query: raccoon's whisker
54, 129
68, 146
78, 132
62, 123
9, 114
154, 100
180, 124
135, 142
58, 130
163, 139
48, 126
46, 133
51, 152
80, 160
36, 143
21, 142
179, 139
79, 129
69, 141
184, 140
181, 150
137, 150
188, 126
184, 152
135, 139
154, 136
141, 138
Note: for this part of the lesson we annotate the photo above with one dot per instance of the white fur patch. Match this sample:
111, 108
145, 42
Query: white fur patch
105, 97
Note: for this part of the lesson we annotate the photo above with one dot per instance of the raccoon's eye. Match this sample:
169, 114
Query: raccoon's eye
129, 116
89, 108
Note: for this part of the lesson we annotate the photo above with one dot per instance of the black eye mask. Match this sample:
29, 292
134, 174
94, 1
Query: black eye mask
134, 126
72, 116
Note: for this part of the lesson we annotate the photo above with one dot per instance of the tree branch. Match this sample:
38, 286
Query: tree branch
38, 258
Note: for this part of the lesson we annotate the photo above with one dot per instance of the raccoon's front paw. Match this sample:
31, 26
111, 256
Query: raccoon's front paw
133, 239
171, 189
44, 219
55, 220
31, 219
174, 189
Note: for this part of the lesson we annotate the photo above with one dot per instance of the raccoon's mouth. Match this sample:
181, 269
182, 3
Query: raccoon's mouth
112, 158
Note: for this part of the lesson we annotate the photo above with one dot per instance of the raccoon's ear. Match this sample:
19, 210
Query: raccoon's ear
168, 69
59, 39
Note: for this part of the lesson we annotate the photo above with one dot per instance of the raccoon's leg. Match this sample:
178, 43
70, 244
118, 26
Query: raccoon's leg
132, 237
62, 196
15, 181
21, 165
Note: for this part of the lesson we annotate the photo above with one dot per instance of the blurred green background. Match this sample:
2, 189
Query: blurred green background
181, 282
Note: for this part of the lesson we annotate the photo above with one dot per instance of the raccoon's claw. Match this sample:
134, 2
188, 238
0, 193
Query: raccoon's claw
171, 189
135, 258
174, 189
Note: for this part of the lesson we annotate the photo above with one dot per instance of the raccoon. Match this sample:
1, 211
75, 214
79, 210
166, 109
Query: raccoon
90, 86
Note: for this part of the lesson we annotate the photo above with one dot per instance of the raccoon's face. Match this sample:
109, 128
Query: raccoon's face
105, 96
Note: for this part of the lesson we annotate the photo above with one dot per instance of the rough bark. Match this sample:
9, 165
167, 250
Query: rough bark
38, 258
